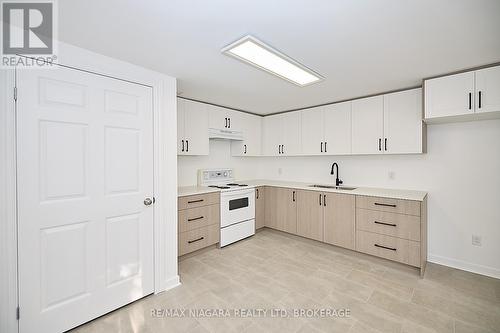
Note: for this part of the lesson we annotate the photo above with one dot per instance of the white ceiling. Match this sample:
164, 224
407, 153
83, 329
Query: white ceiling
361, 47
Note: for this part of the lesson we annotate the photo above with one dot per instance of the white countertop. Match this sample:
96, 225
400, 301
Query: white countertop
368, 191
183, 191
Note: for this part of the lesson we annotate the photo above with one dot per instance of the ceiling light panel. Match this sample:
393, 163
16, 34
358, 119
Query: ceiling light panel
256, 53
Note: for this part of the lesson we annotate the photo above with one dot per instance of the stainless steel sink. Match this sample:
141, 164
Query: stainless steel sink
333, 187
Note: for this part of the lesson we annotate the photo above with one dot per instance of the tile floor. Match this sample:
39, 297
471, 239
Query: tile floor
274, 270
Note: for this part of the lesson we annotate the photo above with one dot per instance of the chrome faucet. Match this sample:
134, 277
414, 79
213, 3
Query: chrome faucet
337, 180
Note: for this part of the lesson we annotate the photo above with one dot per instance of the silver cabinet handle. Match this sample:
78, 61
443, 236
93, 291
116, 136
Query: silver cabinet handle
148, 201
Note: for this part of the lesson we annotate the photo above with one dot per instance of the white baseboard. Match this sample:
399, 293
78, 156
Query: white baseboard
465, 266
172, 283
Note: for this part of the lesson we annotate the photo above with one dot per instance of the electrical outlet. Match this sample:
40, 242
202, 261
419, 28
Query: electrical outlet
392, 175
476, 240
280, 171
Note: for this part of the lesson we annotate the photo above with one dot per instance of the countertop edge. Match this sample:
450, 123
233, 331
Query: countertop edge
401, 194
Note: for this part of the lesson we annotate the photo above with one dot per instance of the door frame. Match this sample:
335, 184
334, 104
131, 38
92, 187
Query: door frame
165, 183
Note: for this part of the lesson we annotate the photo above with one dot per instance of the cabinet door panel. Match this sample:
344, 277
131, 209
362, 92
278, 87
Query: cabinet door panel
281, 209
235, 121
253, 136
449, 95
252, 133
367, 125
340, 220
488, 85
291, 133
273, 128
310, 214
403, 122
196, 129
290, 220
337, 128
260, 206
181, 106
312, 131
217, 117
270, 207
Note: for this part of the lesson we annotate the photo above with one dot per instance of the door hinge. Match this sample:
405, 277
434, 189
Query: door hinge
18, 315
15, 94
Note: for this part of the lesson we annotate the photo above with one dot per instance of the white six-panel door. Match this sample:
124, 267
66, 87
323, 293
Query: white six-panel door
85, 166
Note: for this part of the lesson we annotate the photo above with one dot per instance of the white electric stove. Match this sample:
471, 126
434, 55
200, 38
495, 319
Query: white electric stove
237, 204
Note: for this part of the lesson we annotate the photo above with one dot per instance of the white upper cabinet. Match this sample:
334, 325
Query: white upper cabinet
464, 96
251, 126
192, 128
488, 89
291, 142
449, 95
272, 134
181, 139
388, 124
403, 122
282, 134
326, 130
313, 131
337, 128
367, 125
224, 118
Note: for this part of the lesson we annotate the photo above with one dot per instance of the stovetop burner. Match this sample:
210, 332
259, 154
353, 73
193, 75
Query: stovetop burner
235, 184
219, 187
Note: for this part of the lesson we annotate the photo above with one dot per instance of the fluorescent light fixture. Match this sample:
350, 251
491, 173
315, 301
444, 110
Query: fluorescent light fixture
256, 53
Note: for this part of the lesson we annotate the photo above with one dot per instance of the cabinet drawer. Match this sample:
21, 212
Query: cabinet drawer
392, 248
389, 205
390, 224
196, 239
195, 218
198, 200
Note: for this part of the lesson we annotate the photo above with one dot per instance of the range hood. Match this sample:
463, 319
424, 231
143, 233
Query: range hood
225, 134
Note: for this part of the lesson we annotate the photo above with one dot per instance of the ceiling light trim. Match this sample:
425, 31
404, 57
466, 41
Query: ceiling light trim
227, 51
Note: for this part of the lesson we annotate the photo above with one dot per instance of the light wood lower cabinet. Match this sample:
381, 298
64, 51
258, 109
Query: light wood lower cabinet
393, 229
281, 209
198, 200
310, 213
407, 207
327, 217
198, 222
340, 221
197, 239
260, 205
388, 247
391, 224
199, 217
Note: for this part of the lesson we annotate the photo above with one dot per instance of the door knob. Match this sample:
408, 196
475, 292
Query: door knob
148, 201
